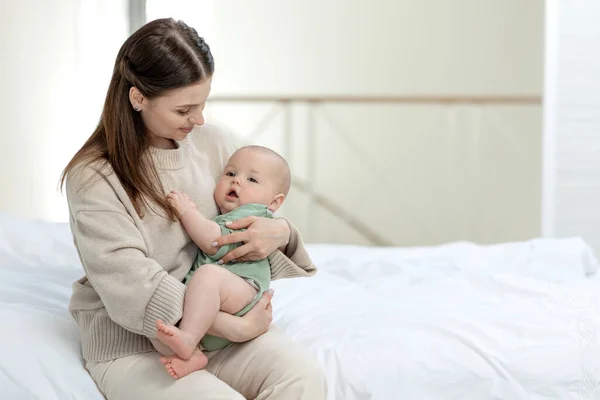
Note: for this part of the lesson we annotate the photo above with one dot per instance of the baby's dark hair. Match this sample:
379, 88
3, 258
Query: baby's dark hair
285, 173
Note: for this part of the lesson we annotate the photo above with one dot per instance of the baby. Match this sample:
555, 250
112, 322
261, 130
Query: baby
255, 181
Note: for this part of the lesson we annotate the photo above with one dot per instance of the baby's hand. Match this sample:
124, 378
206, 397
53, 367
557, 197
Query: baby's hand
181, 202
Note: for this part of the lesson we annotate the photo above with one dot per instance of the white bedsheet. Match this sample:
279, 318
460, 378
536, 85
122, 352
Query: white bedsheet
456, 322
514, 321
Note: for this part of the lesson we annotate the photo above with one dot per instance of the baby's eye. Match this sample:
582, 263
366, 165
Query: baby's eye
229, 174
252, 180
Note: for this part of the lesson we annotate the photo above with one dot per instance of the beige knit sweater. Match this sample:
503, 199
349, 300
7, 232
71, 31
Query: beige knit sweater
134, 267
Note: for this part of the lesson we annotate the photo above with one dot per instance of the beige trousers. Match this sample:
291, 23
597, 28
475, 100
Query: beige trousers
269, 367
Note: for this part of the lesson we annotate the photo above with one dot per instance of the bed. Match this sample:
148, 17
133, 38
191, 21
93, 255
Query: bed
458, 321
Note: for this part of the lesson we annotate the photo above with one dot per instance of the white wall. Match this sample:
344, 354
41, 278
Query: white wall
422, 174
38, 60
383, 46
572, 128
434, 174
53, 76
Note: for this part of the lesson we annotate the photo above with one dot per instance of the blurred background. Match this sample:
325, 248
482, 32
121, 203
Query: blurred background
406, 122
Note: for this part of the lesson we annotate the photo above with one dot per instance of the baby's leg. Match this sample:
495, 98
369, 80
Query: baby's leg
212, 288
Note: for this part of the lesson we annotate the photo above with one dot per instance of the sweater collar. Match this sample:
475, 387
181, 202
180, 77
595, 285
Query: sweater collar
171, 158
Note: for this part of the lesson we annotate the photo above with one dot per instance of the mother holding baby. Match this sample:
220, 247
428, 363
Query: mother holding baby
149, 141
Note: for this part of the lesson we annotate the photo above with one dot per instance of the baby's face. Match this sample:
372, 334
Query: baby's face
249, 177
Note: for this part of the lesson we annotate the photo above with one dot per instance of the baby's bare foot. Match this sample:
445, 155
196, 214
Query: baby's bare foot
178, 368
176, 339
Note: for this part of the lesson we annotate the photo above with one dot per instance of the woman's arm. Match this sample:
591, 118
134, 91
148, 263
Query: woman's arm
266, 237
262, 237
293, 260
134, 288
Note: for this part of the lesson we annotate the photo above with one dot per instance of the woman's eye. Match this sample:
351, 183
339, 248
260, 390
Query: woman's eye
183, 112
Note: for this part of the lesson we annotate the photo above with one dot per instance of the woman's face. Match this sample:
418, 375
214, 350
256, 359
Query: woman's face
172, 116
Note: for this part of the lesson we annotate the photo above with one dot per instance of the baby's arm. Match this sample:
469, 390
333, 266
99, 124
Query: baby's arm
202, 230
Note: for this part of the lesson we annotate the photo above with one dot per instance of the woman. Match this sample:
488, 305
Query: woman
135, 253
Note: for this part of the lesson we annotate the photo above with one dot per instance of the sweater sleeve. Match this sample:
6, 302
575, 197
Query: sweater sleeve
134, 288
295, 262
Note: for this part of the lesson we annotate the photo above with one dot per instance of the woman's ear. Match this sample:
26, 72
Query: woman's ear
136, 98
277, 201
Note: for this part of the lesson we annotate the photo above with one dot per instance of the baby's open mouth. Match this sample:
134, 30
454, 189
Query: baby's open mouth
232, 193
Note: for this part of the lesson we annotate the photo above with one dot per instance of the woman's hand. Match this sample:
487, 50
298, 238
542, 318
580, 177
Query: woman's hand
258, 319
241, 329
262, 237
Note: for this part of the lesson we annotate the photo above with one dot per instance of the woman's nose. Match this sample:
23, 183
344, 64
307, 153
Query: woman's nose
197, 119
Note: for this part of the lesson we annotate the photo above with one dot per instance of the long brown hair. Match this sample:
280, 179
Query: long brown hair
162, 55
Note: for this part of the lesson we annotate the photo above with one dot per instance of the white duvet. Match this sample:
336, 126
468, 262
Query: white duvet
513, 321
